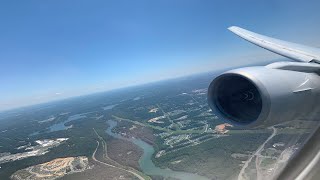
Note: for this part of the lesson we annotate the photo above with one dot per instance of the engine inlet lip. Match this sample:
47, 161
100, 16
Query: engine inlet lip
265, 109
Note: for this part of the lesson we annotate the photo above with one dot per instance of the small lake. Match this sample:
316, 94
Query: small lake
61, 125
145, 162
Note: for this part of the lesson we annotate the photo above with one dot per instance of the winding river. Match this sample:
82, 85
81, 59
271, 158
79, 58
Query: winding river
145, 162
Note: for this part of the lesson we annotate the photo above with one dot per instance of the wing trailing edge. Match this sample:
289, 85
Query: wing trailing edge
290, 50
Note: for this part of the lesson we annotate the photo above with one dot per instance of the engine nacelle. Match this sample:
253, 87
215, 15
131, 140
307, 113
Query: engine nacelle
262, 96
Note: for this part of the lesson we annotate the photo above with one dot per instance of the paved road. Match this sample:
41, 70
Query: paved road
110, 165
242, 174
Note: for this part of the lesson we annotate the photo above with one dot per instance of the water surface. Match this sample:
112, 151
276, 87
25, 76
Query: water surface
61, 125
145, 162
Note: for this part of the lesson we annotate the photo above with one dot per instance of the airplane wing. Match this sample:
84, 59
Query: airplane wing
290, 50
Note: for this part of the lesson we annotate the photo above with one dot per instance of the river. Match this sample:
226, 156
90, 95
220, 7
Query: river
145, 162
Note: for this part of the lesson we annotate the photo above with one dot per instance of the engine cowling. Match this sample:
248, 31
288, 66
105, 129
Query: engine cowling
262, 96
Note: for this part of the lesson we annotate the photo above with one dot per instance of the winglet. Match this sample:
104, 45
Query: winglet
291, 50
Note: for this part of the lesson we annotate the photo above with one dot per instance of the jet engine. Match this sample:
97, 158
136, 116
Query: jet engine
262, 96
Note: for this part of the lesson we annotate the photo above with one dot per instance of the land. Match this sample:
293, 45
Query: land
54, 169
171, 116
107, 161
42, 147
131, 129
125, 153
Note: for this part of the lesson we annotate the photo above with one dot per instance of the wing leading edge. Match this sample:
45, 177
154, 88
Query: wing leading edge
290, 50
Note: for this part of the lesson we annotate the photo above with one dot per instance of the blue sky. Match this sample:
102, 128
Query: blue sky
56, 49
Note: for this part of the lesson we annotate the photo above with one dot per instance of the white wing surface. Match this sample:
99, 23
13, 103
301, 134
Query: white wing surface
290, 50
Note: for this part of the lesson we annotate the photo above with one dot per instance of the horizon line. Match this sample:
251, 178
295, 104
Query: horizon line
5, 110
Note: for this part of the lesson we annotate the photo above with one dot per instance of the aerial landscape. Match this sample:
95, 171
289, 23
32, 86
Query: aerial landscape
162, 130
159, 90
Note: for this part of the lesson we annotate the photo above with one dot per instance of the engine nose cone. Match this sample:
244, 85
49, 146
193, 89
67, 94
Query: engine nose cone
235, 98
